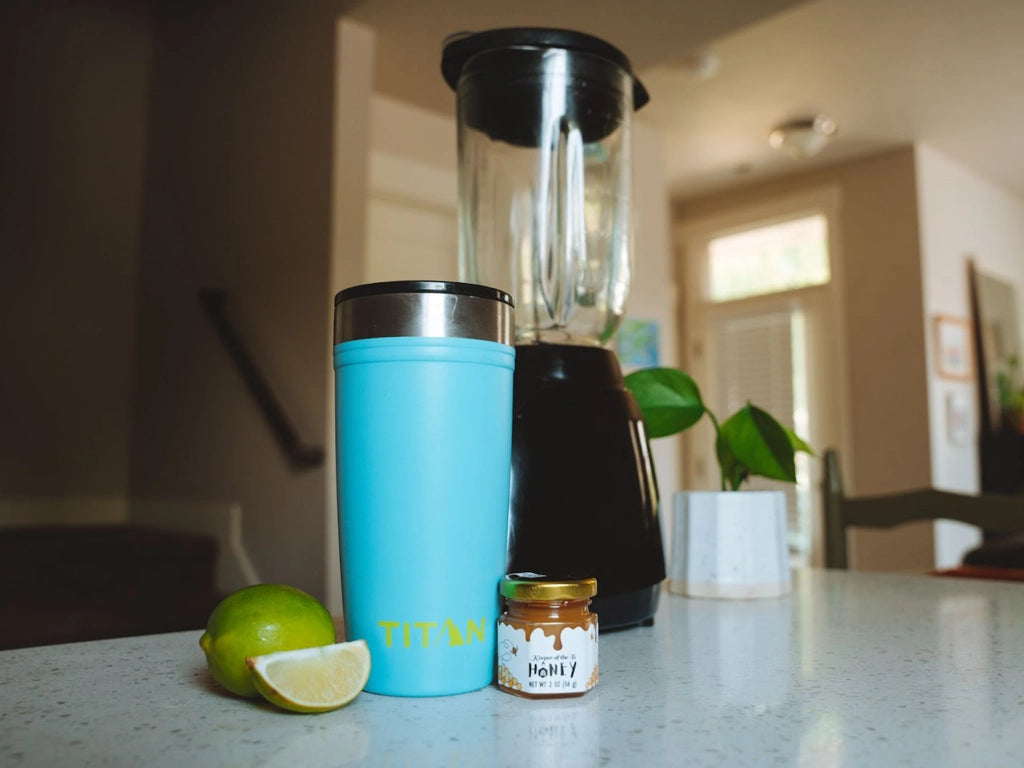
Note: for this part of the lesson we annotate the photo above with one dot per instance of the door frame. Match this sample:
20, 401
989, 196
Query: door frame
828, 395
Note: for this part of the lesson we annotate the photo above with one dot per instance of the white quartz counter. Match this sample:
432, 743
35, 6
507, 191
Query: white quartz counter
851, 670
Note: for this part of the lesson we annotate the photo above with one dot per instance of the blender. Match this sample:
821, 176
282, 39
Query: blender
545, 189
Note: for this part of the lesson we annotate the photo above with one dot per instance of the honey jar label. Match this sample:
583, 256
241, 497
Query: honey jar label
550, 662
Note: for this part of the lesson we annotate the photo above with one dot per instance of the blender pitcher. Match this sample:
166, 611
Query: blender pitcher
544, 176
545, 188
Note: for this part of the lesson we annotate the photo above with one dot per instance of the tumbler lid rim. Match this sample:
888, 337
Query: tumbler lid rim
422, 286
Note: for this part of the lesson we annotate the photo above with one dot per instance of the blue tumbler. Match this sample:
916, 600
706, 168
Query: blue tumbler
423, 390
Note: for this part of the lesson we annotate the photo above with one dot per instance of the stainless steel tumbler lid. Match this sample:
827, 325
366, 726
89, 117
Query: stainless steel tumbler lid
431, 308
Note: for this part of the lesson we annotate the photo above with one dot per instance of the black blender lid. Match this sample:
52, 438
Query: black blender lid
461, 46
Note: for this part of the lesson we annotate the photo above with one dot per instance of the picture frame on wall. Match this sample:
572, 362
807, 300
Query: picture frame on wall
953, 348
958, 418
637, 343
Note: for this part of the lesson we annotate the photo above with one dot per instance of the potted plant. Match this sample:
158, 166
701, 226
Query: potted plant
728, 543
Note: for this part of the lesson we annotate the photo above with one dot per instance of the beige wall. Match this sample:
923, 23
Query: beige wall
73, 79
238, 184
886, 446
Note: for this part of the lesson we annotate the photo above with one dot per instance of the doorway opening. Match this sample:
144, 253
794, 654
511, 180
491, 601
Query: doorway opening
761, 324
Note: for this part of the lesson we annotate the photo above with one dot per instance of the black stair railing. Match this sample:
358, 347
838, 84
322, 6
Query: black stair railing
300, 455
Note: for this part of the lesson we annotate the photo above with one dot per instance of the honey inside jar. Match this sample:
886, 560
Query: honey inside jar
547, 636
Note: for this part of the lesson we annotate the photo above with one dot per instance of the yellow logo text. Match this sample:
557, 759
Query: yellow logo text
431, 633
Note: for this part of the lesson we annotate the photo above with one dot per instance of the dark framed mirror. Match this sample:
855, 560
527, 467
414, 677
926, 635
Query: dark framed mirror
1000, 372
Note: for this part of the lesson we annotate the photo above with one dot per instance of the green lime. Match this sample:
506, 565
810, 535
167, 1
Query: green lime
257, 620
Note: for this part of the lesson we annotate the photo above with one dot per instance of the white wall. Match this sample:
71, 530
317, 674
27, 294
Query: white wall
961, 216
413, 133
411, 217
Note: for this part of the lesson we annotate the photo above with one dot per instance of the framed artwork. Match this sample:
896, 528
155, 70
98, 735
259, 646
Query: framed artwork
637, 343
953, 348
958, 417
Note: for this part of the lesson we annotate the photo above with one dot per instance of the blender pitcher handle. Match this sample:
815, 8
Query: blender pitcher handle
562, 254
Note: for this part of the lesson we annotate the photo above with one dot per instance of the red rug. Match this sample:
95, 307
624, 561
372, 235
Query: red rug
982, 572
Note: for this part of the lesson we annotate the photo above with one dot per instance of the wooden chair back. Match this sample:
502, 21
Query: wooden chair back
991, 512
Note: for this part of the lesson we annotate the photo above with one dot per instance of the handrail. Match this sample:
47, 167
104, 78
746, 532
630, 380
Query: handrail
301, 456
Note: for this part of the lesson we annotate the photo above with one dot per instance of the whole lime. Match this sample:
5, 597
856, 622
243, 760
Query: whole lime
255, 621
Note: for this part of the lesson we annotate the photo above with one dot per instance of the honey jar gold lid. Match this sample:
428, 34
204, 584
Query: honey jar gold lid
535, 586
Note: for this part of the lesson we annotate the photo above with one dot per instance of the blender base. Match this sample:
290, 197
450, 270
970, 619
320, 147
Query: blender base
584, 496
626, 610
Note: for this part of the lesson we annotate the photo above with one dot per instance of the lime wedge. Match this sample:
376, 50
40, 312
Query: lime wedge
312, 679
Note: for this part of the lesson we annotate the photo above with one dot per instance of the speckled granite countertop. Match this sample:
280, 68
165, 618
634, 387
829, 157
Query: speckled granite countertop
850, 670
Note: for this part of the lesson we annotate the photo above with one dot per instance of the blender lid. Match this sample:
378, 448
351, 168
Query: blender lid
461, 46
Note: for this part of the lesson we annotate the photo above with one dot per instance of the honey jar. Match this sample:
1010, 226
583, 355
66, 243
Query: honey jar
547, 636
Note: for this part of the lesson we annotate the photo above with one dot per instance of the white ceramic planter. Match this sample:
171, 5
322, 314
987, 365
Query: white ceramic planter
730, 544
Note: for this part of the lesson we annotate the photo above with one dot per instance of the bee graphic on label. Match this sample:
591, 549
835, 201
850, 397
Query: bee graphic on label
507, 650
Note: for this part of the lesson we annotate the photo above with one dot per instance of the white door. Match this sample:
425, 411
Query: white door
778, 348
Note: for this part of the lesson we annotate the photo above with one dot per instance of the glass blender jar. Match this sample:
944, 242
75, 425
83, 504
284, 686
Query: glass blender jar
545, 188
544, 176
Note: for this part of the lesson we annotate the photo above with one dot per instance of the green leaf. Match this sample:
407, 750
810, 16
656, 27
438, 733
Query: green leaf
668, 398
760, 444
733, 473
797, 442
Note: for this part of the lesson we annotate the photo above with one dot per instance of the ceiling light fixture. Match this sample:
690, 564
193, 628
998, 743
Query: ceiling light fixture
803, 138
